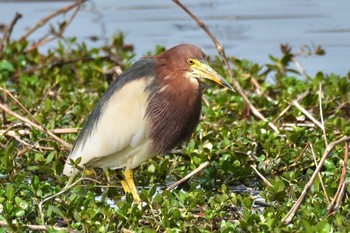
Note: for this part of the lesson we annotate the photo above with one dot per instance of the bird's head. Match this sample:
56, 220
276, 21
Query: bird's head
192, 61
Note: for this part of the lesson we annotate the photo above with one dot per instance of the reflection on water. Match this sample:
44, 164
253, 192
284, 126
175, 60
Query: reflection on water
248, 29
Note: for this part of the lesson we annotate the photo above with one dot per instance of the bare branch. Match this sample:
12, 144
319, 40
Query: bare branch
308, 114
320, 93
261, 176
333, 207
189, 175
319, 174
19, 104
300, 97
36, 125
7, 34
302, 153
291, 126
64, 130
13, 134
41, 128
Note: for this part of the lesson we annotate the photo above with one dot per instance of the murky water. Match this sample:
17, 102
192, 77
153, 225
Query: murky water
248, 29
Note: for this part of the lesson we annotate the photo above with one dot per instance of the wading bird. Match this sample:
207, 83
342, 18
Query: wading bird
148, 110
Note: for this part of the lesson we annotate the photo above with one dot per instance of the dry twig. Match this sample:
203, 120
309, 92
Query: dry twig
333, 207
64, 130
319, 174
308, 114
36, 125
41, 128
221, 52
19, 104
302, 153
13, 134
261, 176
320, 93
291, 126
290, 215
189, 175
7, 34
302, 96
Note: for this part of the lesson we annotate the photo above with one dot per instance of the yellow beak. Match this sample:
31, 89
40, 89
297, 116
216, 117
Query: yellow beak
202, 70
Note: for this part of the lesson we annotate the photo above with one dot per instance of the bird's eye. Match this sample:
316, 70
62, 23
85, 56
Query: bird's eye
190, 61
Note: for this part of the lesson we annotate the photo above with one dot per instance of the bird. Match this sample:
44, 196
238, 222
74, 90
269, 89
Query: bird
151, 108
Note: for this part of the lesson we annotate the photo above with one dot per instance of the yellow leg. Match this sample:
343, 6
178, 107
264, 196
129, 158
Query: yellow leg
125, 186
129, 185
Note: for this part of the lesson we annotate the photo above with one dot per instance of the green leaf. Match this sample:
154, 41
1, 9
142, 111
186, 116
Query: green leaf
19, 212
50, 157
21, 203
10, 192
329, 164
6, 66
